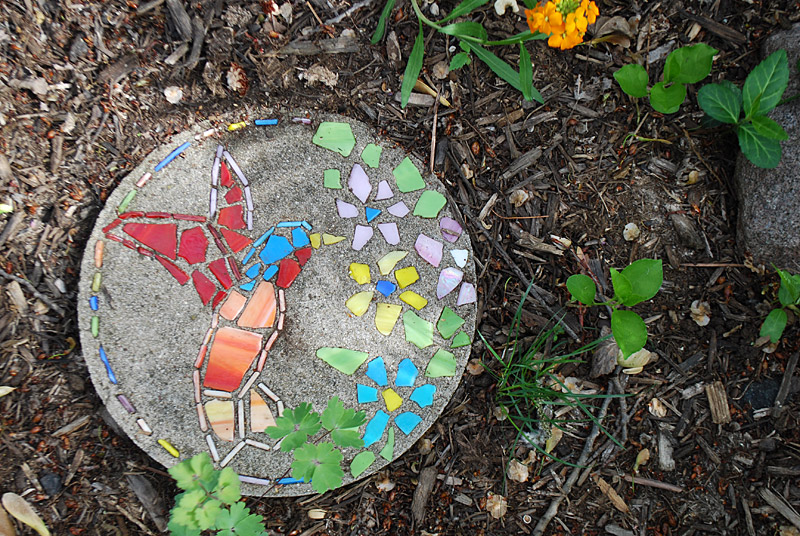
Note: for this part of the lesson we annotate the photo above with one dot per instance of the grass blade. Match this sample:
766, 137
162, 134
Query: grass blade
380, 29
413, 68
525, 72
463, 8
501, 69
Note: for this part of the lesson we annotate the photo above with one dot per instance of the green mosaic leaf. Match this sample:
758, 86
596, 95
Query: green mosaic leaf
448, 323
408, 177
443, 363
295, 426
429, 204
462, 339
336, 137
342, 359
418, 331
371, 155
332, 178
361, 462
387, 452
320, 465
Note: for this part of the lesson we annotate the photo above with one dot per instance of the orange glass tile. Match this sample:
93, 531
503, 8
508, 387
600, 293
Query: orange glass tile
260, 415
236, 241
260, 310
232, 353
220, 417
232, 306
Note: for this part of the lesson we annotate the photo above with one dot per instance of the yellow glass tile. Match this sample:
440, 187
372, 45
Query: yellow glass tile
388, 261
331, 239
386, 317
413, 299
360, 273
316, 240
169, 448
359, 302
406, 276
392, 399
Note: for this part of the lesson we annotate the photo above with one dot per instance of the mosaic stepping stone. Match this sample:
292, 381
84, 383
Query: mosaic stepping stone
250, 308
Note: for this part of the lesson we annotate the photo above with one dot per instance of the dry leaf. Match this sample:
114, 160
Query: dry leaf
6, 526
701, 312
237, 79
519, 198
642, 458
612, 495
634, 363
317, 513
496, 505
5, 389
24, 512
319, 73
475, 367
555, 437
613, 25
657, 408
518, 472
605, 355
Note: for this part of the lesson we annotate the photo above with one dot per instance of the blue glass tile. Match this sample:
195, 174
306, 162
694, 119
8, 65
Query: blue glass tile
386, 287
376, 371
252, 272
300, 238
248, 256
366, 394
104, 359
290, 480
270, 272
248, 286
265, 122
406, 374
306, 225
423, 395
375, 428
277, 248
263, 238
94, 303
170, 157
407, 422
290, 224
372, 213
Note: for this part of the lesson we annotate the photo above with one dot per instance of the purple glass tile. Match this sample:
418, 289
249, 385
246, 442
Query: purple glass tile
429, 249
248, 199
361, 236
359, 183
126, 403
215, 172
346, 210
467, 294
399, 209
236, 169
390, 232
384, 191
451, 229
449, 279
212, 203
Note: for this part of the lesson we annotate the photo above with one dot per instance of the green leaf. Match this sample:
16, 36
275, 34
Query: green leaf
295, 426
189, 472
343, 423
413, 68
622, 287
463, 8
761, 151
645, 277
177, 529
582, 288
629, 331
525, 72
769, 128
380, 29
720, 102
320, 464
466, 29
765, 85
689, 65
501, 69
774, 325
228, 488
667, 100
789, 293
459, 60
238, 520
632, 78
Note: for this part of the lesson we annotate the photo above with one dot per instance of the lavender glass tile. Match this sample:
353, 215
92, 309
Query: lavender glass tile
384, 191
359, 183
361, 236
449, 279
451, 229
390, 232
399, 209
346, 210
429, 249
467, 294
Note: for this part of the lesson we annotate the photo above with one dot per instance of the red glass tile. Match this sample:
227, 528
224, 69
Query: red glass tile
176, 272
162, 237
232, 353
237, 275
205, 288
134, 214
159, 215
115, 238
218, 298
225, 176
220, 271
236, 241
146, 252
288, 270
193, 245
111, 225
189, 217
232, 217
130, 244
234, 195
303, 255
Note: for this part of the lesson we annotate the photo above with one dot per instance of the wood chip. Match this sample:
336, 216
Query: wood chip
779, 504
715, 27
522, 163
427, 478
718, 400
150, 499
612, 495
71, 427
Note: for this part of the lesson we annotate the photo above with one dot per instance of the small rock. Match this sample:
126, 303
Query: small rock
51, 483
78, 49
440, 70
631, 232
174, 94
687, 232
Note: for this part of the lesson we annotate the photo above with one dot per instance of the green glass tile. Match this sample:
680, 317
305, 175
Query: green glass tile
336, 137
96, 281
361, 462
462, 339
418, 331
371, 155
443, 363
95, 326
429, 204
387, 452
342, 359
408, 177
332, 178
449, 322
126, 201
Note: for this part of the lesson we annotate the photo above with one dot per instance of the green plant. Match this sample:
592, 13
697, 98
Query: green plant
318, 462
789, 298
472, 37
636, 283
759, 136
210, 501
686, 65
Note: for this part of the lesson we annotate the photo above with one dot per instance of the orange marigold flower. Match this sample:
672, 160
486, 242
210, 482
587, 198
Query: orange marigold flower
553, 22
535, 17
591, 10
576, 21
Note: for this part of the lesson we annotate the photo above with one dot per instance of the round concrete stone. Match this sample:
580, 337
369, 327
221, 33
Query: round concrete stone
149, 328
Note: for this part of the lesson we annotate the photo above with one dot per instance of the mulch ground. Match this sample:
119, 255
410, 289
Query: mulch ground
82, 101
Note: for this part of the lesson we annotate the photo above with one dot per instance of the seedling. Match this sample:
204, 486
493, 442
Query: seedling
789, 298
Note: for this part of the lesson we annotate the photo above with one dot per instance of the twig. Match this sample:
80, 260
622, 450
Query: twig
433, 130
639, 481
352, 9
319, 20
783, 391
33, 290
